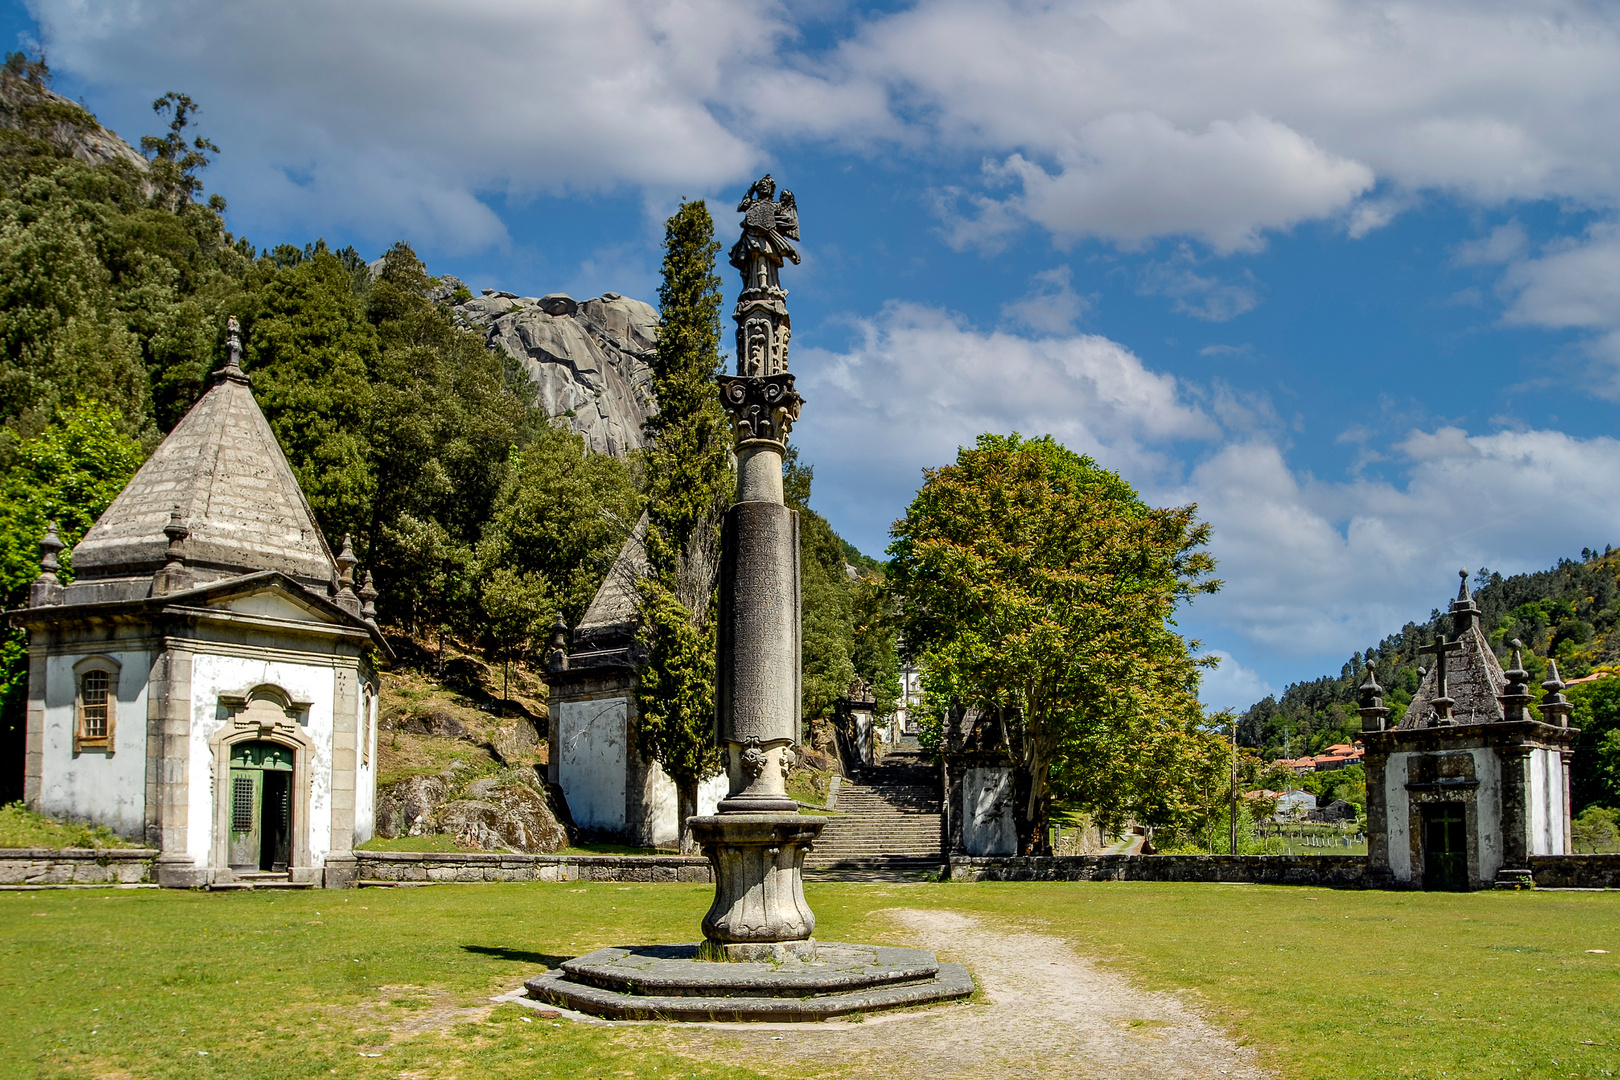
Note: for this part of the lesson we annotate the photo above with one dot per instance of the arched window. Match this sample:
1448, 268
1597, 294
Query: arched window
95, 703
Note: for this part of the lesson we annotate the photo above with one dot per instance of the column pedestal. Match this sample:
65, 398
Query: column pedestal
759, 911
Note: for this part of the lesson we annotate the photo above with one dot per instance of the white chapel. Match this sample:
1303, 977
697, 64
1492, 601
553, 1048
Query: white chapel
208, 681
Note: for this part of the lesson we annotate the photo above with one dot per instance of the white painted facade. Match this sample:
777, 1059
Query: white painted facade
598, 769
590, 767
210, 599
93, 785
1546, 803
215, 675
988, 826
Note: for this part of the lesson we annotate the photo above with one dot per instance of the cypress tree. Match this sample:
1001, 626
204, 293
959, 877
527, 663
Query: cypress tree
690, 481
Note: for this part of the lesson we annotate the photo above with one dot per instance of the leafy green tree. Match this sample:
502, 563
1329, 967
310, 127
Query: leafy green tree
312, 352
175, 163
559, 519
515, 605
875, 655
690, 482
1039, 587
827, 600
100, 274
1595, 768
68, 474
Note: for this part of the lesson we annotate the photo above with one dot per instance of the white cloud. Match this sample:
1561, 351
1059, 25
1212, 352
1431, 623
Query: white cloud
1132, 177
395, 117
1504, 244
1573, 284
1230, 685
1311, 567
1125, 120
1200, 295
1316, 567
1051, 306
1130, 119
921, 382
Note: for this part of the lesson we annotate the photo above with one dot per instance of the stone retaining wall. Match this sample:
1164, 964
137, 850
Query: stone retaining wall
1576, 871
500, 866
76, 866
1325, 871
1329, 871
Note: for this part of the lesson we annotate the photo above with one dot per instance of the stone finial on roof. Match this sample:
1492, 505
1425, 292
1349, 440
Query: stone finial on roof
1516, 697
557, 654
1555, 707
368, 598
172, 577
1371, 701
346, 562
47, 587
1464, 612
233, 354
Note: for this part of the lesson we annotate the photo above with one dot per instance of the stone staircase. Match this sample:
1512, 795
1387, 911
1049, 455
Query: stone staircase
887, 824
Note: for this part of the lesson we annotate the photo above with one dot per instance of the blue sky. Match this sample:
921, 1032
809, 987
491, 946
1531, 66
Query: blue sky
1345, 274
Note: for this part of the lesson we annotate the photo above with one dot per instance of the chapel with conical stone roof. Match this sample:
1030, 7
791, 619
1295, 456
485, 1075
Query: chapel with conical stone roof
1469, 786
208, 682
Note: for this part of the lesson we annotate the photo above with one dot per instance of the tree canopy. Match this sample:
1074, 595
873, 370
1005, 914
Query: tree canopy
1039, 588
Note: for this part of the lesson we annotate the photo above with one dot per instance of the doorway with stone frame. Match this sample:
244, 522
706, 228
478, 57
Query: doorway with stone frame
262, 757
1445, 846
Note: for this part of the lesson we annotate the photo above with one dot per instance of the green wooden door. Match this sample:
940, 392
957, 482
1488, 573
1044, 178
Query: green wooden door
1445, 846
247, 800
261, 806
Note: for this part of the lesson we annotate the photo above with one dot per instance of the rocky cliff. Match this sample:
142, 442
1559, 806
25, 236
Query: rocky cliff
589, 359
32, 110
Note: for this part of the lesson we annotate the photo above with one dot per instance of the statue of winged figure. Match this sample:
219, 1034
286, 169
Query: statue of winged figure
769, 224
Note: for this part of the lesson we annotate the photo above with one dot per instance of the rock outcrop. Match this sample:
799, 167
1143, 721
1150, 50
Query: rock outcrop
504, 813
31, 108
589, 359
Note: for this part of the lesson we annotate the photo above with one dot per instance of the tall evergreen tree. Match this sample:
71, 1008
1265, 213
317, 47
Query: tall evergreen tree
690, 481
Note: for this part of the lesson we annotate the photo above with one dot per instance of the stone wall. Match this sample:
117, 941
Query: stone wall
1332, 871
76, 866
505, 866
1576, 871
1323, 871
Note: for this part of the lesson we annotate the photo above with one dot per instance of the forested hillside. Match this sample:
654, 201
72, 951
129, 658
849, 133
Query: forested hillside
1570, 612
480, 518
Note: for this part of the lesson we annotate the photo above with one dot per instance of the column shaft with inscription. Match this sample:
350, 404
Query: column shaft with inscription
758, 840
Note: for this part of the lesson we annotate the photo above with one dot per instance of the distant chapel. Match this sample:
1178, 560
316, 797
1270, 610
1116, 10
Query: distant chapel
1469, 787
207, 683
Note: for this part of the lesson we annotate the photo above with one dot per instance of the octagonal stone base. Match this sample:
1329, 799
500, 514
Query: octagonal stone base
759, 911
672, 982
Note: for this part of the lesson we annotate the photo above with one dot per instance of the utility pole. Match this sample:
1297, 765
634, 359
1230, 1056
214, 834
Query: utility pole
1234, 785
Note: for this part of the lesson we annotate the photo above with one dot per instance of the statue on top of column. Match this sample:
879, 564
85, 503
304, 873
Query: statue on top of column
768, 226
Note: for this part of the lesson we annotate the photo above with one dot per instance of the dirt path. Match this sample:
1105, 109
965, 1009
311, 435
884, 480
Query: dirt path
1048, 1013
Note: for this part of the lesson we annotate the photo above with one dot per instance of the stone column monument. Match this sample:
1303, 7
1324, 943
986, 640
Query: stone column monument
758, 840
759, 922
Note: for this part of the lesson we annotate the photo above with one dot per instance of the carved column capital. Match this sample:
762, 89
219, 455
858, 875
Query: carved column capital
760, 406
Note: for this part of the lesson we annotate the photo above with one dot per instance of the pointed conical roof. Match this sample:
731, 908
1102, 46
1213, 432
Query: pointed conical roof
223, 469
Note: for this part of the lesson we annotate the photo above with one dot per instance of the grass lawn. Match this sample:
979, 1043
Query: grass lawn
22, 828
272, 985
